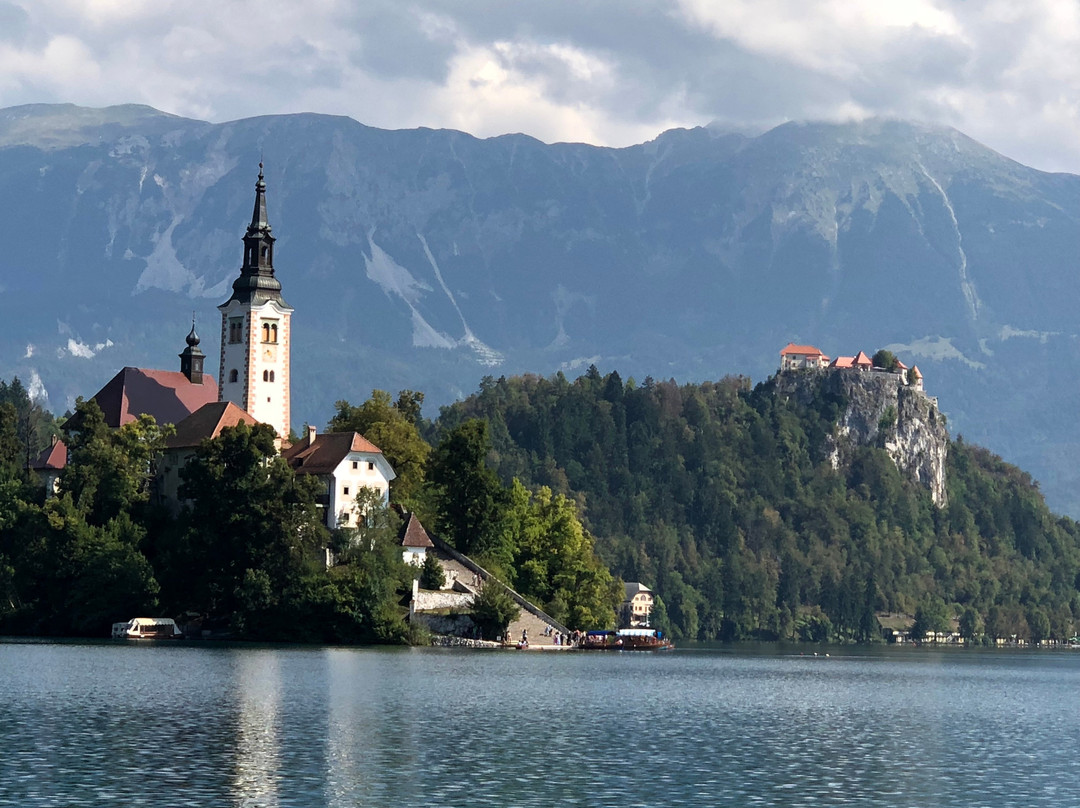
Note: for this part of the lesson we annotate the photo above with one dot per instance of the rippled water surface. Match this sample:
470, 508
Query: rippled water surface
180, 725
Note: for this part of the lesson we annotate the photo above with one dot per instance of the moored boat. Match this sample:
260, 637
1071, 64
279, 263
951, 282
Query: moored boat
626, 639
147, 628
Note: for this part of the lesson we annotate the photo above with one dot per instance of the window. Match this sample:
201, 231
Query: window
346, 491
271, 375
233, 375
266, 375
370, 466
236, 330
355, 465
269, 331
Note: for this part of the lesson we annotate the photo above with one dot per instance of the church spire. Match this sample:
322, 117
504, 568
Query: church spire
257, 283
259, 222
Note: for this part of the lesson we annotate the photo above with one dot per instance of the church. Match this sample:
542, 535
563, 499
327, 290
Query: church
252, 387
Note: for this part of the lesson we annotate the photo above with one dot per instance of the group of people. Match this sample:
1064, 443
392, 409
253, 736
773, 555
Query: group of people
559, 638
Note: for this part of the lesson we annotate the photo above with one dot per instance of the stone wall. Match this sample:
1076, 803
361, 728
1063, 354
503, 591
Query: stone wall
427, 600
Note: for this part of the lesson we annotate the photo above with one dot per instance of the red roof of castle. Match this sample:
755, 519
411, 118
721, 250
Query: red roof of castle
800, 350
843, 362
862, 360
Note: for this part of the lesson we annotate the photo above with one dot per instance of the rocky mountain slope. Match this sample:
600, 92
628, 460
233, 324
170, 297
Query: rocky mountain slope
427, 259
879, 409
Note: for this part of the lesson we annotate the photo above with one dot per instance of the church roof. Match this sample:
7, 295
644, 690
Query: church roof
207, 422
168, 395
325, 453
414, 535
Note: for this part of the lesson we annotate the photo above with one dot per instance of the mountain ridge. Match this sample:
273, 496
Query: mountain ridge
428, 258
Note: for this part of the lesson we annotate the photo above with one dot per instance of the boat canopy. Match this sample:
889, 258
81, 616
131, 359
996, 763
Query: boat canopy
638, 632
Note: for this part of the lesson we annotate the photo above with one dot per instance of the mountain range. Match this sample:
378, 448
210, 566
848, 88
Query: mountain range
428, 259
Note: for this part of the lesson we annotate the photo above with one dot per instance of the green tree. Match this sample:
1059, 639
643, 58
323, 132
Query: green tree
885, 360
971, 625
468, 495
494, 610
109, 472
252, 526
431, 573
1038, 624
35, 427
931, 615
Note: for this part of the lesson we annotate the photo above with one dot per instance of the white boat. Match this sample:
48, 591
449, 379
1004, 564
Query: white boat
147, 628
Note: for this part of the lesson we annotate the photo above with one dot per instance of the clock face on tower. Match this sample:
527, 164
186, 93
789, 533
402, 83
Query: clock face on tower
270, 353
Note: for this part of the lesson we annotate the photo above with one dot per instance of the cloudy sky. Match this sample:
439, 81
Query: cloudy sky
611, 72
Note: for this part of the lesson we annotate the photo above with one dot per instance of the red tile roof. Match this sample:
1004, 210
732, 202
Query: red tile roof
52, 459
207, 422
800, 350
327, 451
843, 362
862, 360
414, 534
916, 371
168, 395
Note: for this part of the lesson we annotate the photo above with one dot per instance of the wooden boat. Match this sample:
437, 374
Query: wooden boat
626, 639
147, 628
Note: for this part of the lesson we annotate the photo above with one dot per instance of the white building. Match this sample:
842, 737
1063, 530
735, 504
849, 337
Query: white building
255, 330
799, 357
344, 462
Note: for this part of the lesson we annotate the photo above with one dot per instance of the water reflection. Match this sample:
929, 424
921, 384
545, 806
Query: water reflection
257, 682
283, 728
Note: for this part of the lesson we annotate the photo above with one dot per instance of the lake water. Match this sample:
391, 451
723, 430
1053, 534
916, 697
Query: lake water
108, 724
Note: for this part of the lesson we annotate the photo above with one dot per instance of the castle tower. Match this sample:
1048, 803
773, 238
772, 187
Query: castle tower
255, 329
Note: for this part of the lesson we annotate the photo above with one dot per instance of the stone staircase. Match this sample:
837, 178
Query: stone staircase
535, 626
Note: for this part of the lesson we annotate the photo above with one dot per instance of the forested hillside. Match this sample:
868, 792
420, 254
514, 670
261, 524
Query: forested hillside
720, 498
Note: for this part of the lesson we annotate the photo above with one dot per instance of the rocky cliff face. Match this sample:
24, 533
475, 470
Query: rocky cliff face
880, 410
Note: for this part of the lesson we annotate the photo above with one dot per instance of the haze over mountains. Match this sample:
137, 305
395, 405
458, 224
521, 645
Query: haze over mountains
427, 259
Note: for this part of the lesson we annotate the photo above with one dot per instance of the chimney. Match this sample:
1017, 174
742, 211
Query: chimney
310, 435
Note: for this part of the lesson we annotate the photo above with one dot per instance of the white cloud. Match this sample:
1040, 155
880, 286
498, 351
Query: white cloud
604, 72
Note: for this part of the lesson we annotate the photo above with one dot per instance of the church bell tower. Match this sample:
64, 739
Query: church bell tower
255, 329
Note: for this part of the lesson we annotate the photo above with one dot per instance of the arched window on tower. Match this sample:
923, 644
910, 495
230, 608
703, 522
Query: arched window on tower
266, 375
271, 375
273, 332
266, 332
233, 375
